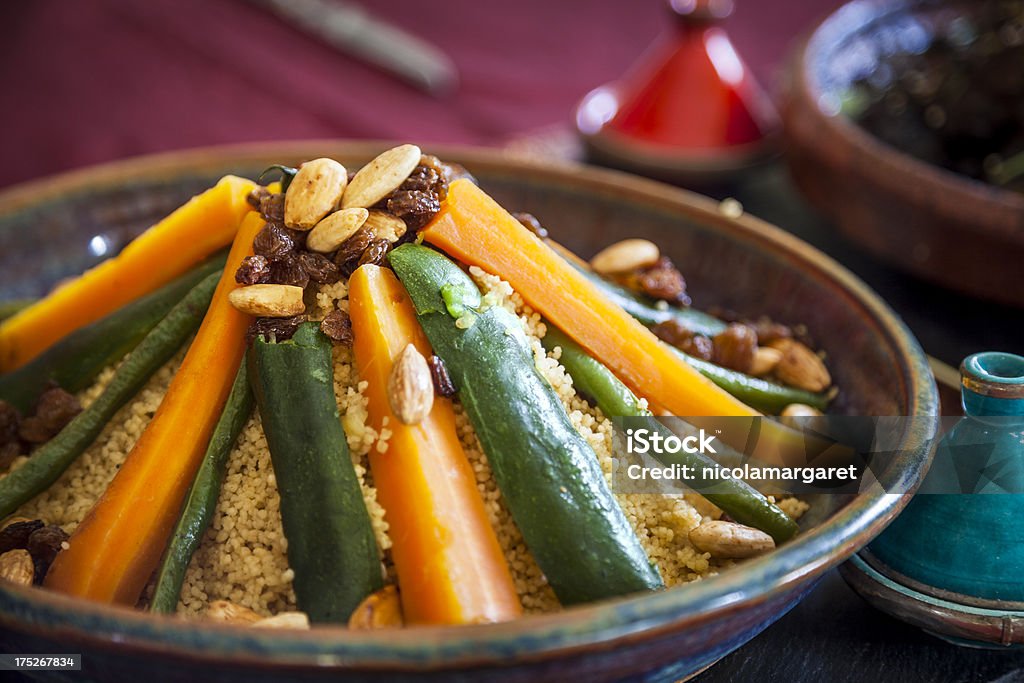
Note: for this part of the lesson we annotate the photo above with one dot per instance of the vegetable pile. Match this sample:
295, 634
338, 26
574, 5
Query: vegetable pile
439, 366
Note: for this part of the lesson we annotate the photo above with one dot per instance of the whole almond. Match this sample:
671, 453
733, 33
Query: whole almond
381, 609
16, 566
385, 226
729, 540
625, 256
268, 301
332, 231
800, 367
314, 192
381, 177
229, 612
284, 620
765, 360
410, 387
800, 410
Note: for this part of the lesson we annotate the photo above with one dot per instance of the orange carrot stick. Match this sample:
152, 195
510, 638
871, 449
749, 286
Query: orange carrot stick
200, 227
473, 228
450, 567
117, 546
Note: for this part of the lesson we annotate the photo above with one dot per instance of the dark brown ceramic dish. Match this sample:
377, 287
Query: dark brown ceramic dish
742, 263
939, 225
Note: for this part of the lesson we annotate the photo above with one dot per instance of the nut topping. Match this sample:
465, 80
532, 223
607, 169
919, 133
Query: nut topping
229, 612
270, 301
624, 256
765, 360
800, 367
379, 610
385, 226
410, 387
284, 620
16, 567
381, 177
314, 192
729, 540
335, 229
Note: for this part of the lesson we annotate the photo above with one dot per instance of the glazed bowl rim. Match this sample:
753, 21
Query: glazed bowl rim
593, 627
888, 165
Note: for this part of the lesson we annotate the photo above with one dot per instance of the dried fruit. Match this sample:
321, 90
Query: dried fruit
10, 420
382, 609
338, 326
272, 208
16, 532
348, 253
729, 540
272, 301
673, 332
16, 567
735, 347
284, 620
531, 222
9, 452
319, 268
43, 545
274, 329
381, 176
255, 197
289, 271
335, 229
385, 226
663, 281
54, 409
414, 207
443, 384
253, 271
800, 367
315, 192
624, 256
375, 253
229, 612
410, 387
273, 242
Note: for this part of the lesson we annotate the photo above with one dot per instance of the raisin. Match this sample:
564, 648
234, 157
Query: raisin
769, 331
664, 281
54, 409
273, 329
422, 178
415, 207
10, 420
338, 326
531, 223
254, 270
443, 384
272, 208
273, 242
735, 347
9, 452
375, 253
289, 271
43, 545
698, 346
298, 237
15, 535
256, 197
319, 268
672, 331
351, 249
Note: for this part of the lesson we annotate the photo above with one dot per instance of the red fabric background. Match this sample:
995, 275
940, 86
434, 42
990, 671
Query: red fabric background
85, 81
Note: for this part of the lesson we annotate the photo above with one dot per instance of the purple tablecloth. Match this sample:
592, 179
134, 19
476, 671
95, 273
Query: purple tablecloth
86, 81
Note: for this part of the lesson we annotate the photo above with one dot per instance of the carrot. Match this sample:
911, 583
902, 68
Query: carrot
117, 546
450, 567
473, 228
167, 250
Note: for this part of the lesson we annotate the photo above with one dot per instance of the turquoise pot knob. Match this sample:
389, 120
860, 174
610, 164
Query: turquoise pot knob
961, 538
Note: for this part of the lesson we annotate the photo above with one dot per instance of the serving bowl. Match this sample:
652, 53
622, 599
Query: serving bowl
57, 227
937, 224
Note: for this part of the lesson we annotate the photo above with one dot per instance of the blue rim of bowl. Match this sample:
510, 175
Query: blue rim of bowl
602, 626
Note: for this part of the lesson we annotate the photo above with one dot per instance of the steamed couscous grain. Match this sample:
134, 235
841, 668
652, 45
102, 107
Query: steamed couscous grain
242, 558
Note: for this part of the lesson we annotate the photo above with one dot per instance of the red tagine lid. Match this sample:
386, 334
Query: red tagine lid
690, 105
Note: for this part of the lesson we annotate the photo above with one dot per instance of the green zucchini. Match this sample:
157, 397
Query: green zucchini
547, 473
50, 460
741, 501
331, 545
74, 361
202, 497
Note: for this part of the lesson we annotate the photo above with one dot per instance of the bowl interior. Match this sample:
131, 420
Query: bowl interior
53, 229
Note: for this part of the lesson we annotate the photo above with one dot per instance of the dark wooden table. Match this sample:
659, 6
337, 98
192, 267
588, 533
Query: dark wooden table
833, 635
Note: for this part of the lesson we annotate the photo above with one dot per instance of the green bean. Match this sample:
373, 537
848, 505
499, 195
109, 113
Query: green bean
758, 393
50, 460
75, 361
202, 497
741, 501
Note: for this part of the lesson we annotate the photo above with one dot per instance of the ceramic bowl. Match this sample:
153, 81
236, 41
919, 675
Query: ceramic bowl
56, 227
934, 223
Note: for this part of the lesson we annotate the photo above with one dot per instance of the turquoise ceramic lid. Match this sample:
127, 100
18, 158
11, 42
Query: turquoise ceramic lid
993, 385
